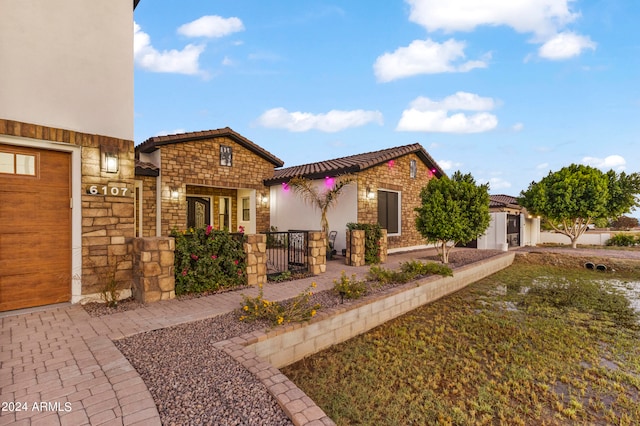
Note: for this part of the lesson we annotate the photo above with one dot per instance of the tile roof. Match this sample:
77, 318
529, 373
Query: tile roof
146, 169
155, 142
352, 164
501, 200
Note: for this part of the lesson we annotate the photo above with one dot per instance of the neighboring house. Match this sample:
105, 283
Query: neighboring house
510, 226
195, 179
386, 191
66, 147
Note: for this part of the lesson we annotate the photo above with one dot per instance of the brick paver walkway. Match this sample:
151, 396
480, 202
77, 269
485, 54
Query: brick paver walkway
59, 366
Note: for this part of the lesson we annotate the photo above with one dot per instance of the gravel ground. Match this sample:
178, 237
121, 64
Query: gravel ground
194, 383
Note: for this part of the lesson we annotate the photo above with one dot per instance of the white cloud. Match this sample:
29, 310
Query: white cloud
498, 183
449, 165
542, 166
183, 61
332, 121
565, 45
540, 17
425, 115
424, 57
170, 132
211, 26
517, 127
227, 61
615, 162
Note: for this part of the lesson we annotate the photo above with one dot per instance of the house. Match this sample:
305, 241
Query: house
66, 147
212, 177
510, 226
386, 191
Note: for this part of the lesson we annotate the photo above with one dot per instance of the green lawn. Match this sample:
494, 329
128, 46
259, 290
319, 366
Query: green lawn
533, 344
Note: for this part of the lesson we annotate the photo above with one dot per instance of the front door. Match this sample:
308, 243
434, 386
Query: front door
198, 212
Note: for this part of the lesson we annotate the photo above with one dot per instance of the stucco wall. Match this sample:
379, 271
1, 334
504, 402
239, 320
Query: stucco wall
289, 211
68, 65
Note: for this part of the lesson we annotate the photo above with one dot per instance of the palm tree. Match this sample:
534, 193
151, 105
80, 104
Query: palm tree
323, 200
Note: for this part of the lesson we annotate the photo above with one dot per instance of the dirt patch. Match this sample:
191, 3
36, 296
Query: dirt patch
577, 261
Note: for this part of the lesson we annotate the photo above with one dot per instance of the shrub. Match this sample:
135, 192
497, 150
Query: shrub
350, 288
372, 235
408, 271
294, 310
623, 240
208, 260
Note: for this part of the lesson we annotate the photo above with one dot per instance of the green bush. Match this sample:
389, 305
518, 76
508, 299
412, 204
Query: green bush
372, 235
208, 260
623, 240
408, 271
349, 288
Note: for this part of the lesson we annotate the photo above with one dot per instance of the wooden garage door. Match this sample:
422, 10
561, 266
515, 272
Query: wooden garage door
35, 227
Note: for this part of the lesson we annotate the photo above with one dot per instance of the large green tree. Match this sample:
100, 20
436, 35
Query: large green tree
577, 195
454, 210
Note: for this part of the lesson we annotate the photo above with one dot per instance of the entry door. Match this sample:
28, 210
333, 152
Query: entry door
35, 227
198, 212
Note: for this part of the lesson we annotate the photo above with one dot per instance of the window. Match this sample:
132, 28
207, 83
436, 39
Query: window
413, 169
389, 211
224, 213
226, 156
245, 209
17, 164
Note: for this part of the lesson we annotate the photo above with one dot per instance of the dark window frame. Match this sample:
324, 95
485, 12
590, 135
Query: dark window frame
226, 156
389, 211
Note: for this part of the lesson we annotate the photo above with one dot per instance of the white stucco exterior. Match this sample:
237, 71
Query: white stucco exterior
289, 211
68, 64
496, 236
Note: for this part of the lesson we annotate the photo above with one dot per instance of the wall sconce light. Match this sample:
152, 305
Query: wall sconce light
370, 194
109, 160
175, 194
264, 199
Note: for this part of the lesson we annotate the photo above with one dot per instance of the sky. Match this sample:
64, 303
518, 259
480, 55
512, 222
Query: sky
505, 90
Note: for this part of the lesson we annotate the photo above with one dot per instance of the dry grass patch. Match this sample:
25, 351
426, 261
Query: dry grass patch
534, 344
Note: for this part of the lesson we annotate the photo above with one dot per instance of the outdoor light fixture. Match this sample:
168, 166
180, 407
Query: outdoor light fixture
370, 194
264, 199
175, 194
109, 160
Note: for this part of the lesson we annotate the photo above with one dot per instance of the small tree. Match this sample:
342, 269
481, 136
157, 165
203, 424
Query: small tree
453, 211
576, 196
323, 200
624, 222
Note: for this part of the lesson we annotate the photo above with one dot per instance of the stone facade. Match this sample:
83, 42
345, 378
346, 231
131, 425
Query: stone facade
107, 220
317, 253
355, 248
148, 200
153, 269
394, 175
255, 248
193, 167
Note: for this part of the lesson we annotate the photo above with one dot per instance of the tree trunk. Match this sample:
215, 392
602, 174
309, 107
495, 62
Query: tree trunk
574, 242
445, 253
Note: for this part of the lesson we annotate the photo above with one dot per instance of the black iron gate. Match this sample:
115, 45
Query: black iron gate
513, 230
287, 251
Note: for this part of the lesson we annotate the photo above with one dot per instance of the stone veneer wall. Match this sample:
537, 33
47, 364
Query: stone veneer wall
198, 163
255, 248
107, 221
148, 205
355, 248
395, 176
153, 269
317, 253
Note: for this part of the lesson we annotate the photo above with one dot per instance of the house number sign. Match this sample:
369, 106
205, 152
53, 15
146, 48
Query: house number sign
114, 191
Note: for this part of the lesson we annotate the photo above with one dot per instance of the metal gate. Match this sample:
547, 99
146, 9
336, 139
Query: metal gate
513, 230
287, 251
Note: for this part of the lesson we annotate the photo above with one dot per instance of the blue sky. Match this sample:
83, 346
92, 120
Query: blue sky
505, 90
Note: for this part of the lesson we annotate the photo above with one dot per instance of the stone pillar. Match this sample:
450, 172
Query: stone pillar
153, 269
383, 247
255, 248
317, 252
355, 248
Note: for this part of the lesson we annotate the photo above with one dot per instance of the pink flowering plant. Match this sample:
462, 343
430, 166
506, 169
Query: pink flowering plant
208, 260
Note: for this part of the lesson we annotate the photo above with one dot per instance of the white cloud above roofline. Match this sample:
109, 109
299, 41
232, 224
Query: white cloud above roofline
330, 122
